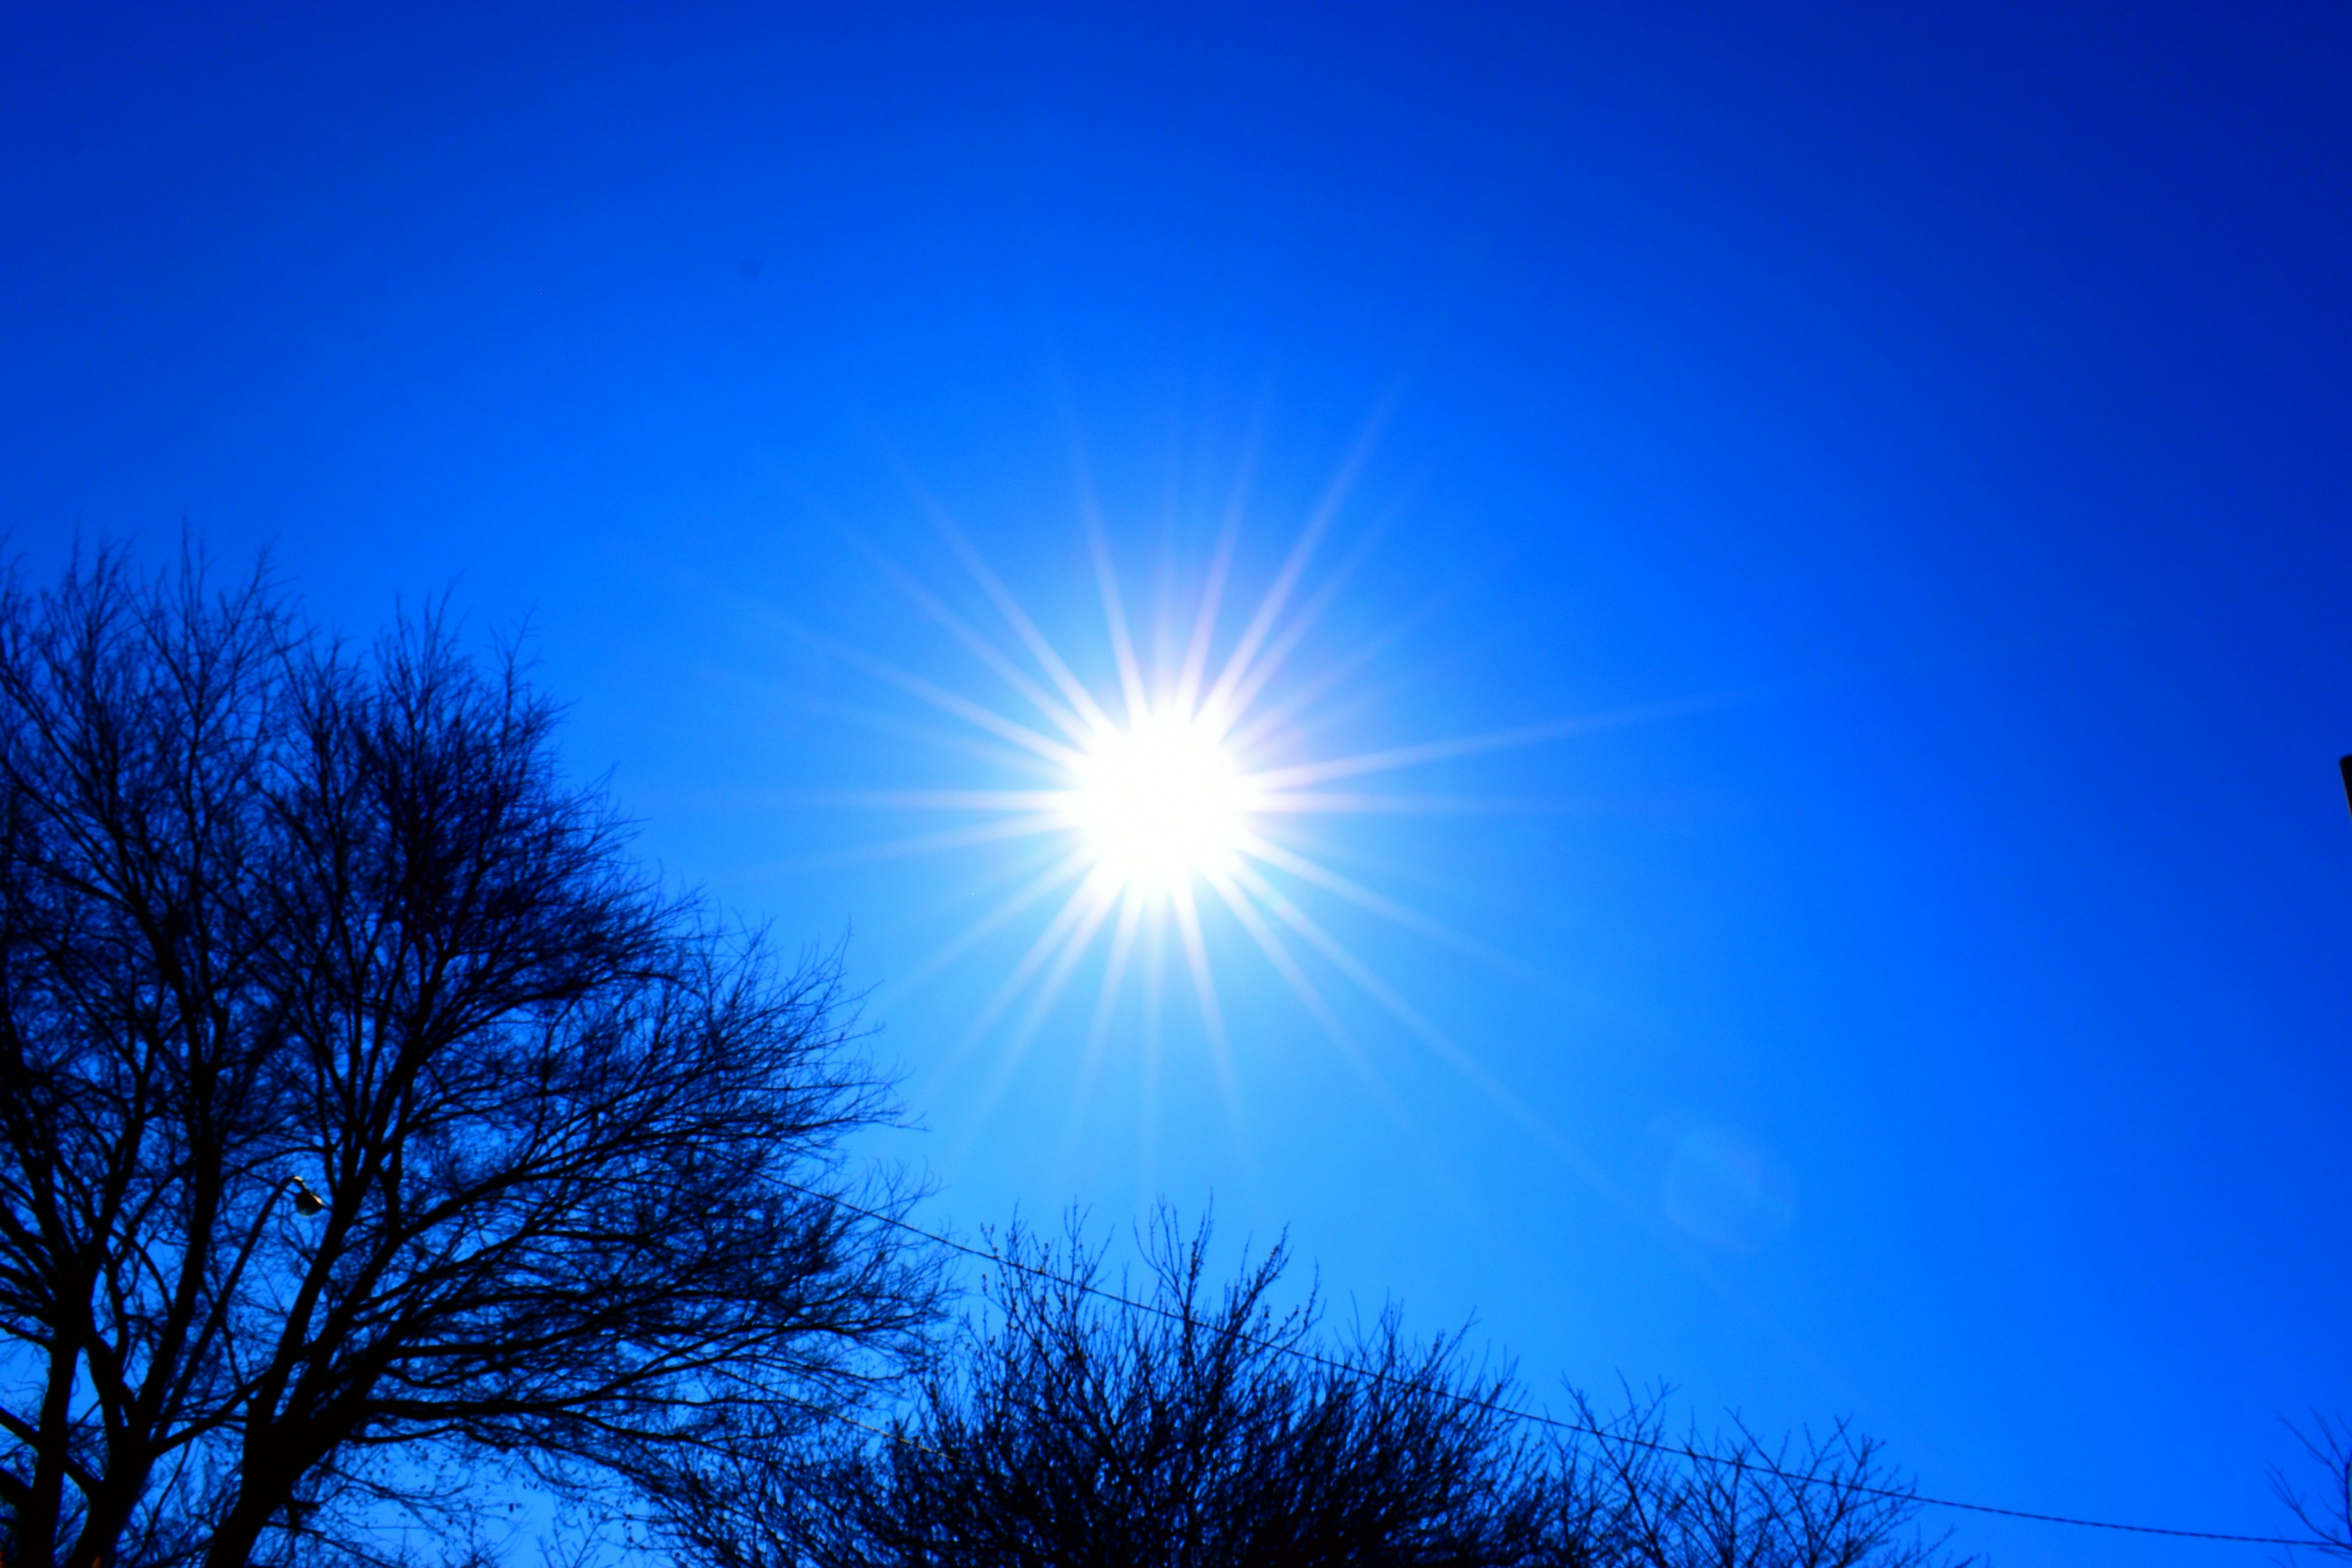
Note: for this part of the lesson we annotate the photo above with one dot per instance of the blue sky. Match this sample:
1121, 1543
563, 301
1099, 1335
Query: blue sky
1918, 432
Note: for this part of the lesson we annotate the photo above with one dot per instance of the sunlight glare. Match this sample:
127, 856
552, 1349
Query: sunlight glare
1170, 817
1158, 801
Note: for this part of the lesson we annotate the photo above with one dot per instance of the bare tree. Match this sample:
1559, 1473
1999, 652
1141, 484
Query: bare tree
1081, 1420
1204, 1426
1626, 1491
366, 1112
2327, 1516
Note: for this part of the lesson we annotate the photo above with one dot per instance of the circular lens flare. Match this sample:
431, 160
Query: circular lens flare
1160, 802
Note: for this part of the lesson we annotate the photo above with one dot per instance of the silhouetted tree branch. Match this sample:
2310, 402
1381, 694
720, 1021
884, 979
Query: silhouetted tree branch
2327, 1444
283, 926
1626, 1491
1067, 1430
1204, 1425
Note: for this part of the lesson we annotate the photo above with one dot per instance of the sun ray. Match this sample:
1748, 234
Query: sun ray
1286, 641
1331, 803
1306, 869
1396, 757
1344, 960
1205, 987
1073, 948
1155, 995
1061, 714
1073, 912
1107, 996
954, 742
1035, 641
1062, 872
1221, 561
1204, 620
1066, 962
1491, 1089
964, 708
1029, 800
955, 899
1260, 624
1302, 985
1130, 920
995, 832
1316, 687
1156, 781
1269, 942
1286, 580
1122, 645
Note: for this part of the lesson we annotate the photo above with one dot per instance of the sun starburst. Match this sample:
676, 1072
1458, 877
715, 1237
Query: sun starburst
1176, 791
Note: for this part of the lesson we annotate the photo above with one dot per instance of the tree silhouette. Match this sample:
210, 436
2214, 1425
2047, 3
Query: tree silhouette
1082, 1421
2326, 1516
366, 1113
1065, 1430
1624, 1490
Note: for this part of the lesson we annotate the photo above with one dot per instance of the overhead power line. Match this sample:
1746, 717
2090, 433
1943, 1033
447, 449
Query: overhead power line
1541, 1419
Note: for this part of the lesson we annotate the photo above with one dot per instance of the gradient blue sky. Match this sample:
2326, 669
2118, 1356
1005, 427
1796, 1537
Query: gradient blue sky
1943, 1022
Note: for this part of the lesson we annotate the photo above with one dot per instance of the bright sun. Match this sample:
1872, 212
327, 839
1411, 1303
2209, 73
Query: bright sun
1160, 802
1159, 797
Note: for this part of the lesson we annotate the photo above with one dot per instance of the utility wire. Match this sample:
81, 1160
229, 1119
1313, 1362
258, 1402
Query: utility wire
1536, 1417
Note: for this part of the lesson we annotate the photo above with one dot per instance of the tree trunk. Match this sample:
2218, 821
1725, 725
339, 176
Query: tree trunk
233, 1544
37, 1528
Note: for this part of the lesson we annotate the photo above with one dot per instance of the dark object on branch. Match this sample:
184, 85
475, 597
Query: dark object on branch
273, 914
